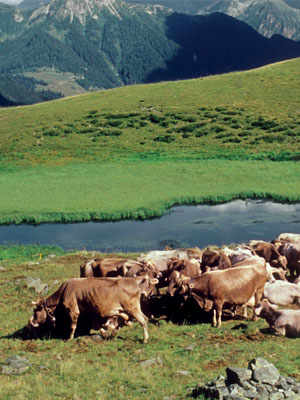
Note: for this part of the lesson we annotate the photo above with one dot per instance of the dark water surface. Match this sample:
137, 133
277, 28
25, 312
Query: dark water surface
184, 226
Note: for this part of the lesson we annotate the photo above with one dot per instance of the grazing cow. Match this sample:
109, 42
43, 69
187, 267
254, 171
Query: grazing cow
269, 252
234, 286
282, 322
282, 293
101, 301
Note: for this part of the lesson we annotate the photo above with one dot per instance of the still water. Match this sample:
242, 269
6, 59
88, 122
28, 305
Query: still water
183, 226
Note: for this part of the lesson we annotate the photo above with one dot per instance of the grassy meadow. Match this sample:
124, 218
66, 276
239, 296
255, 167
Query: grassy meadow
134, 151
127, 189
181, 355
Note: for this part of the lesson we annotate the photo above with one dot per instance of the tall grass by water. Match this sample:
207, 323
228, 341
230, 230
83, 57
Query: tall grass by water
138, 190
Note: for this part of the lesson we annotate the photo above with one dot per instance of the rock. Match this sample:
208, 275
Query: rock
37, 285
276, 396
261, 381
282, 383
151, 362
219, 381
236, 390
263, 371
15, 365
191, 347
51, 255
2, 268
238, 375
183, 373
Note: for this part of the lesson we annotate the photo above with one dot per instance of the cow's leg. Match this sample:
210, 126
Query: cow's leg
218, 308
257, 298
280, 330
74, 314
214, 318
141, 319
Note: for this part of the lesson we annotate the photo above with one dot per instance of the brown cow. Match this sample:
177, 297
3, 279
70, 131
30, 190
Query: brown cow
214, 259
234, 286
178, 270
115, 266
160, 259
291, 251
100, 300
269, 252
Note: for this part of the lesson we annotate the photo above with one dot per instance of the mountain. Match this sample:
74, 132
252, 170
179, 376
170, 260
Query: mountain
70, 46
32, 4
268, 17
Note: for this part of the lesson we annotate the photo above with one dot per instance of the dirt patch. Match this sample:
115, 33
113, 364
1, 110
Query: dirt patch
228, 339
211, 365
31, 347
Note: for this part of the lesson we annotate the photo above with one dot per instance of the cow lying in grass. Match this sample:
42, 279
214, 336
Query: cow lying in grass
282, 293
100, 302
282, 322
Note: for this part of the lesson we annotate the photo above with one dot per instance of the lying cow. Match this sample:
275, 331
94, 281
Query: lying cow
282, 322
99, 300
282, 293
234, 286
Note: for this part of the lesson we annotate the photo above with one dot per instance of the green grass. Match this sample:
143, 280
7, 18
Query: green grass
137, 189
242, 115
86, 369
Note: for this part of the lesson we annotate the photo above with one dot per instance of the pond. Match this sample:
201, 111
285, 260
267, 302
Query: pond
183, 226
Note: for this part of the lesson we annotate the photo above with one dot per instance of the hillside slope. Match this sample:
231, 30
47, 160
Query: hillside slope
242, 115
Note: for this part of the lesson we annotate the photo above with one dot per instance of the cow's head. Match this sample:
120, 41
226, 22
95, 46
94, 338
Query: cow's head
146, 284
264, 309
42, 315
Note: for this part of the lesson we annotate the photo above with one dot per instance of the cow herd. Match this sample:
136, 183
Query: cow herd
113, 291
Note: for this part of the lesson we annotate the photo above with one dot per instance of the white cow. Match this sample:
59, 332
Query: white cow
282, 293
282, 322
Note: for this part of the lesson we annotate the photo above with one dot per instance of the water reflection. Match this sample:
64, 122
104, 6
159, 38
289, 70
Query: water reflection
202, 225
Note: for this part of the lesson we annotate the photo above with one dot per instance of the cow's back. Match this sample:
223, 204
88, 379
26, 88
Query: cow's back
235, 285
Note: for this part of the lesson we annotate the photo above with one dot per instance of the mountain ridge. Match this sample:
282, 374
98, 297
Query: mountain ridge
100, 44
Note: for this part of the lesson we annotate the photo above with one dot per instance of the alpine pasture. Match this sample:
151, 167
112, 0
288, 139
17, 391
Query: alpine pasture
132, 152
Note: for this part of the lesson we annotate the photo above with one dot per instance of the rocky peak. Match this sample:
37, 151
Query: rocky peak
80, 9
